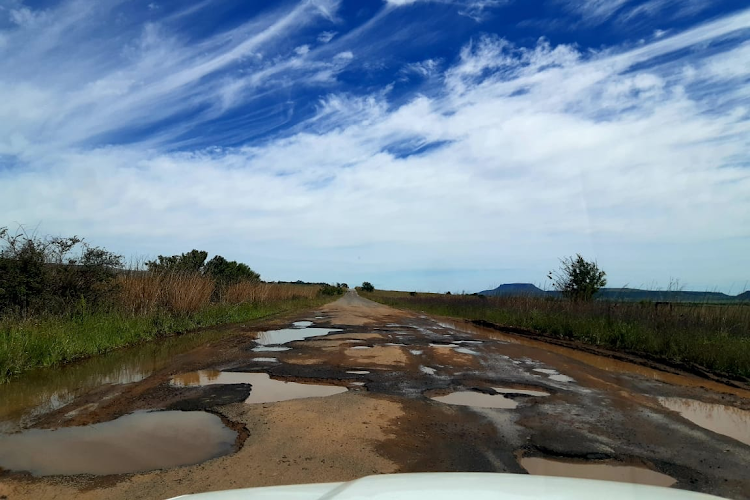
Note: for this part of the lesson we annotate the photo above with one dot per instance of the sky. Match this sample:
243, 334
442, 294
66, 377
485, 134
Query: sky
446, 145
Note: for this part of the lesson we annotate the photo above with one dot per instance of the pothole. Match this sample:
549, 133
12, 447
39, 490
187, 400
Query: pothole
301, 331
602, 471
270, 348
264, 388
725, 420
525, 392
427, 370
134, 443
554, 375
444, 345
477, 400
358, 372
464, 350
361, 347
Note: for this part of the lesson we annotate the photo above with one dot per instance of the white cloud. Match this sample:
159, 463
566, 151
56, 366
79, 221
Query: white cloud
520, 155
475, 9
326, 36
628, 11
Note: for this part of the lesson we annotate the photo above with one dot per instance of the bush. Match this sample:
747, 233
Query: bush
226, 272
331, 290
578, 279
43, 275
191, 262
367, 287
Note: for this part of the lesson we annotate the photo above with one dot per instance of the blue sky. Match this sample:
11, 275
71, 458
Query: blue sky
420, 145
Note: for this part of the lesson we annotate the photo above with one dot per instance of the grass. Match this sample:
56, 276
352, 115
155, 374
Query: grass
147, 307
714, 337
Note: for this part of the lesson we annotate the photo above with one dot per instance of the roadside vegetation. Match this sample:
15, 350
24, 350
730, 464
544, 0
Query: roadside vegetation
708, 336
62, 299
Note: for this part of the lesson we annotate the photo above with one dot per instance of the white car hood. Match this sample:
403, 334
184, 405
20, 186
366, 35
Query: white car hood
457, 486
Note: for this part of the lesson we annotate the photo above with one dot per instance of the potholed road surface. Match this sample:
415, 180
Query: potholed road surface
358, 388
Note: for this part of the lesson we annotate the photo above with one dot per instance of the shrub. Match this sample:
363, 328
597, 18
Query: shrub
331, 290
367, 287
578, 279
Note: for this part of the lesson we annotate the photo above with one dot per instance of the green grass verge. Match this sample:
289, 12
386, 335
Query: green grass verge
49, 341
714, 337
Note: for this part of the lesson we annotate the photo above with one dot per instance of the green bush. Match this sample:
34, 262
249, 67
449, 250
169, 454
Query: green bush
331, 290
577, 278
367, 287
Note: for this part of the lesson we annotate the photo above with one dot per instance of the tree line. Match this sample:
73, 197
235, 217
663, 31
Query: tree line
54, 274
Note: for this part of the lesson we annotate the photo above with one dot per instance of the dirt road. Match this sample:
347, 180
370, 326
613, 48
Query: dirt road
401, 392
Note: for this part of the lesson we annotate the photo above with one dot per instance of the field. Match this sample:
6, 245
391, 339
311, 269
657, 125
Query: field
144, 306
712, 337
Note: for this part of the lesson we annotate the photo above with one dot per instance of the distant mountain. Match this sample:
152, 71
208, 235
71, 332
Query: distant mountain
515, 289
625, 294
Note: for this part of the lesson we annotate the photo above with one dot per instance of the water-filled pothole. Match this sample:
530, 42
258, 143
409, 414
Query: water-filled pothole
525, 392
587, 470
477, 399
264, 390
134, 443
554, 375
283, 336
443, 345
358, 372
725, 420
270, 348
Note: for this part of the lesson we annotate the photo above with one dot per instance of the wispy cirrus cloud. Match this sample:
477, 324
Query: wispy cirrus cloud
627, 11
474, 9
516, 154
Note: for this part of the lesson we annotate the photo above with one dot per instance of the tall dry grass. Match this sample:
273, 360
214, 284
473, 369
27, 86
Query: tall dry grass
145, 293
249, 292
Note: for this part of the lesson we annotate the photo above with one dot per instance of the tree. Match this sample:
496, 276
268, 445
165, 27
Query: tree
578, 279
227, 272
191, 262
367, 287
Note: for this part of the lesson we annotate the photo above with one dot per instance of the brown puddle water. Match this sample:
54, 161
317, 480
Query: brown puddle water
525, 392
41, 391
725, 420
265, 389
134, 443
604, 472
477, 400
283, 336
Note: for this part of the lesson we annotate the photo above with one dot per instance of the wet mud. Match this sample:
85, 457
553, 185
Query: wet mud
358, 388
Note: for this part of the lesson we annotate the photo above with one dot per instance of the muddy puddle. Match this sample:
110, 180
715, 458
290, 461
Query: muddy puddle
525, 392
300, 331
726, 420
133, 443
271, 348
602, 471
41, 391
264, 390
477, 400
554, 375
